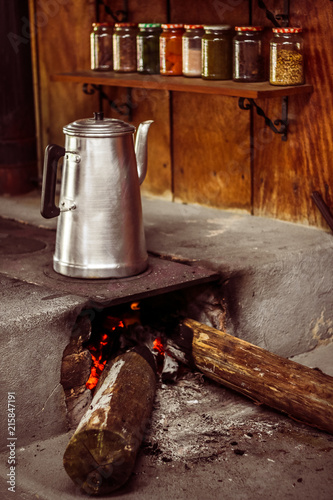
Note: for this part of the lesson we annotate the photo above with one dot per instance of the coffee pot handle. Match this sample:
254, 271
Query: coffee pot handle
53, 153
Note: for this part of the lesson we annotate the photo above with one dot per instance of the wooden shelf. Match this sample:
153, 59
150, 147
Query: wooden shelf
182, 84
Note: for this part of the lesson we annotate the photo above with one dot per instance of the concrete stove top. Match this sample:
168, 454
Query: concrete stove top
276, 280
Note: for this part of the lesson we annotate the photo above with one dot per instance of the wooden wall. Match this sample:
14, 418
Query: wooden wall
200, 145
286, 173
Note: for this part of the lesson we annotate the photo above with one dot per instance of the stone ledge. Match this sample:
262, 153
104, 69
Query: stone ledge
35, 328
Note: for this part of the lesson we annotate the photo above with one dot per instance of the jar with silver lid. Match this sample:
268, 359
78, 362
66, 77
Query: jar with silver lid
217, 52
286, 57
101, 57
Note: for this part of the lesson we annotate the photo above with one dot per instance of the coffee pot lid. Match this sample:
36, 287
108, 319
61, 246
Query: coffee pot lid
98, 126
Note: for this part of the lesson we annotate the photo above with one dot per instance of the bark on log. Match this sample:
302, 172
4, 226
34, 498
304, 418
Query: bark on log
101, 454
303, 393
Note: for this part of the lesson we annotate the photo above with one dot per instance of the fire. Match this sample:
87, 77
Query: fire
158, 346
160, 353
100, 349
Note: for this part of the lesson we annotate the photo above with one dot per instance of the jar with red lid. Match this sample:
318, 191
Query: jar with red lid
248, 58
192, 49
101, 47
171, 49
286, 57
124, 47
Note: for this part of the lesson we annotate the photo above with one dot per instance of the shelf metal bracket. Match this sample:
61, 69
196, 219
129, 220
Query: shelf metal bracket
279, 20
124, 109
283, 122
119, 16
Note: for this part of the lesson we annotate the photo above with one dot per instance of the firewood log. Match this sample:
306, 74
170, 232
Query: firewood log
303, 393
101, 453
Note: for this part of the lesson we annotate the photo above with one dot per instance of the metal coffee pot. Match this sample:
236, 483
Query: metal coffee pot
100, 231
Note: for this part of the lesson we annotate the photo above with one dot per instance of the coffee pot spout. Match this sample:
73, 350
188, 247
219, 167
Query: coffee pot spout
141, 149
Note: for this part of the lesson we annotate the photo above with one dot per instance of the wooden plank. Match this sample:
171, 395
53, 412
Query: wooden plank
302, 393
211, 151
35, 73
183, 84
231, 12
155, 105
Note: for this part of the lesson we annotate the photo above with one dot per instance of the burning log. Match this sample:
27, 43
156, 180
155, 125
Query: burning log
303, 393
101, 454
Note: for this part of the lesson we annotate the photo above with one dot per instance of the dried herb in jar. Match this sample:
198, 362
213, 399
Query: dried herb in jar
288, 68
286, 57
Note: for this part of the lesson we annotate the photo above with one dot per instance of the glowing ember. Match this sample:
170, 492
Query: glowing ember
160, 353
158, 346
100, 349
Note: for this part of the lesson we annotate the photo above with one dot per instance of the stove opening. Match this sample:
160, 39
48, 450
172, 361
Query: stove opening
101, 334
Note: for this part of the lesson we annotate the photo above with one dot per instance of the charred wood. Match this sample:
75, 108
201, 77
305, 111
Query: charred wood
101, 454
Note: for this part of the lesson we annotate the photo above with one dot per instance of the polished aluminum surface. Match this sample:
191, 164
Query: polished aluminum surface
98, 127
100, 231
141, 149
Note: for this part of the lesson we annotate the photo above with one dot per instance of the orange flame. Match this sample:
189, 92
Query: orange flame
158, 346
99, 351
160, 354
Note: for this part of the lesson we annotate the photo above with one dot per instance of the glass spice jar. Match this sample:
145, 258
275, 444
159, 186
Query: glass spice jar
171, 49
286, 57
124, 47
248, 58
101, 47
192, 49
148, 48
217, 53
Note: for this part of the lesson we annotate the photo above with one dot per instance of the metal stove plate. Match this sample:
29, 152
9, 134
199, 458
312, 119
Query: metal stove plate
162, 275
17, 245
51, 273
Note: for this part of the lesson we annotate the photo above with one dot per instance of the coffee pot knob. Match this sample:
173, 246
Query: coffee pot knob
98, 115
